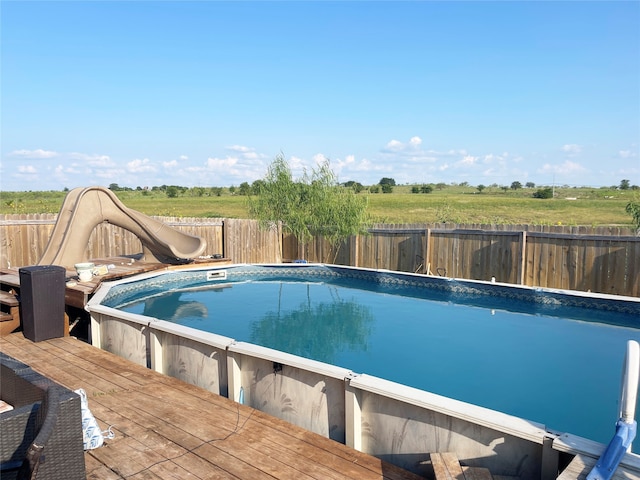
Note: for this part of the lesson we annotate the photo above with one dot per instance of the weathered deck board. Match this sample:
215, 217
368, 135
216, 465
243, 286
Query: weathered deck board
581, 465
167, 429
446, 466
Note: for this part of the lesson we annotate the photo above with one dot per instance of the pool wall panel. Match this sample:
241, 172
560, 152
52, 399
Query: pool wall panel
305, 392
193, 362
306, 398
405, 434
122, 336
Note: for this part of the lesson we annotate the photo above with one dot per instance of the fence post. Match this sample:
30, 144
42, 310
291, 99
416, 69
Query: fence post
280, 243
224, 238
427, 251
354, 250
523, 257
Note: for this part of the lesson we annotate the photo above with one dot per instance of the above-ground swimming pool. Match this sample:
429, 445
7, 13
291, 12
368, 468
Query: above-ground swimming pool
552, 357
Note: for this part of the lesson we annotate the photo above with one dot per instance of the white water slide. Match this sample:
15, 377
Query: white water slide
85, 208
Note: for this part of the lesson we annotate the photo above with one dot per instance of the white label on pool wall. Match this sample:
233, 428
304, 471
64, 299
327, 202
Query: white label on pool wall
217, 275
491, 353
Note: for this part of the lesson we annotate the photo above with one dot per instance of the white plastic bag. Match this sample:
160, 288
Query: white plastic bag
92, 436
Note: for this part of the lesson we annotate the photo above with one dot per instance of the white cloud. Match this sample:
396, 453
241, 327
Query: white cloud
398, 148
252, 156
175, 164
493, 159
225, 163
93, 160
468, 161
407, 161
411, 155
247, 153
319, 159
73, 169
297, 166
140, 166
565, 168
110, 174
348, 160
240, 148
39, 153
223, 171
571, 149
350, 168
27, 169
393, 146
367, 165
449, 153
626, 154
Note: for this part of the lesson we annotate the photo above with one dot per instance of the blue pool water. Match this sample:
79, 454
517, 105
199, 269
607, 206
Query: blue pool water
542, 361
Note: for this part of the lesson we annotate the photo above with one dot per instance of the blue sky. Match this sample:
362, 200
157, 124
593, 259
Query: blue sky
209, 93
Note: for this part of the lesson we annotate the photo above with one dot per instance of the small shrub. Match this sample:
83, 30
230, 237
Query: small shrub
445, 213
543, 193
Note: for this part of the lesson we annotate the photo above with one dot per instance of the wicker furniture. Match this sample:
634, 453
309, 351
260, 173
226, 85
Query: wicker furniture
41, 438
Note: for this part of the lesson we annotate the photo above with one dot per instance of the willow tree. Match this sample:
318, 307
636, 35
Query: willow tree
315, 205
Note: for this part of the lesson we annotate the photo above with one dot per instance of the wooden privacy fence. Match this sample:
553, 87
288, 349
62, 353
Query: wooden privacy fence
601, 259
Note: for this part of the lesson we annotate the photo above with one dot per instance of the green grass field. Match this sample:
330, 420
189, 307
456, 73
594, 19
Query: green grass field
454, 204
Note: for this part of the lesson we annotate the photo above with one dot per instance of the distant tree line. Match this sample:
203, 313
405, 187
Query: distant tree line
385, 185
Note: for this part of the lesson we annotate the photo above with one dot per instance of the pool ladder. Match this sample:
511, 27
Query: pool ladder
626, 426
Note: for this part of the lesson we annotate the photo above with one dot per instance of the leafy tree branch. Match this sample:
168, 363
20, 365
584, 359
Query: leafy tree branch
314, 205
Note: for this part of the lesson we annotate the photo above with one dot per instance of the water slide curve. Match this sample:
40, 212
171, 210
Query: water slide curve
85, 208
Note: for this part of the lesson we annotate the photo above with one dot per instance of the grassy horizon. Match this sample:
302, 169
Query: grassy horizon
452, 204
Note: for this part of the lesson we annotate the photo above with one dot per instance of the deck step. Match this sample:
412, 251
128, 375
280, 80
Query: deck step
9, 313
9, 299
447, 467
8, 323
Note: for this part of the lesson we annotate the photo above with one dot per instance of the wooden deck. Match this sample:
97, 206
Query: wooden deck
167, 429
77, 293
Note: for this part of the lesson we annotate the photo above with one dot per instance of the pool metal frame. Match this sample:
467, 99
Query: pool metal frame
394, 422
